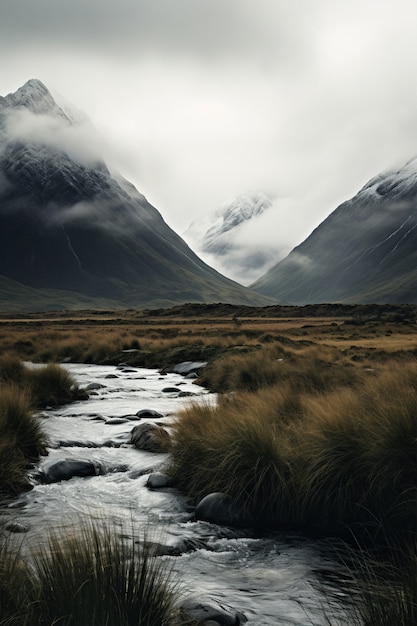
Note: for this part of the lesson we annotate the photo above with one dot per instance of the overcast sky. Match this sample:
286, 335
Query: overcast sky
199, 101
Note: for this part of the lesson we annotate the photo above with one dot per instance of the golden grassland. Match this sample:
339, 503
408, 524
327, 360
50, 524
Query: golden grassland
315, 428
163, 337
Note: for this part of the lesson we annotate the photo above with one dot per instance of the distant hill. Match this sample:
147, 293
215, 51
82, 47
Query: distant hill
365, 251
73, 234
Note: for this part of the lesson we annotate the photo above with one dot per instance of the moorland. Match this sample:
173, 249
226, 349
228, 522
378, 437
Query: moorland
315, 428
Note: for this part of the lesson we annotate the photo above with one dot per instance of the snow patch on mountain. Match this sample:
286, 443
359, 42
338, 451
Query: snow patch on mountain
226, 238
31, 116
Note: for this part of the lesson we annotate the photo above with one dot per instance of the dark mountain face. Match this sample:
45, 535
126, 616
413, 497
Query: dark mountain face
67, 224
365, 251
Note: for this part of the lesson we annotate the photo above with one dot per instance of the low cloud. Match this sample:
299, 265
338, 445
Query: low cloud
79, 140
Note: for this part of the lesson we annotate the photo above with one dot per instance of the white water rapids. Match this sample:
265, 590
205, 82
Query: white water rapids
273, 578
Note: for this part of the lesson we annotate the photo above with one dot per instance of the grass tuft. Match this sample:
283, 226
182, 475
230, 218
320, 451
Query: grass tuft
22, 440
89, 578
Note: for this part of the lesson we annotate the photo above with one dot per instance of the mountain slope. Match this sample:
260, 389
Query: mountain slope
365, 251
68, 224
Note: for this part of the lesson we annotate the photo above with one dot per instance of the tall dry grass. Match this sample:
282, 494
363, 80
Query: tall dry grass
382, 588
305, 368
22, 440
342, 461
50, 384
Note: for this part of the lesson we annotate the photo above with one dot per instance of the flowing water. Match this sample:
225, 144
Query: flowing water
272, 578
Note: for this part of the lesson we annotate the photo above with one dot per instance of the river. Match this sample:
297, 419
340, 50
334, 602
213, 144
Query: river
273, 578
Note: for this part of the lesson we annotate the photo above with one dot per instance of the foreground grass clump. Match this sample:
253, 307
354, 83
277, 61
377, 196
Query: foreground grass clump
339, 462
23, 389
90, 578
383, 588
22, 440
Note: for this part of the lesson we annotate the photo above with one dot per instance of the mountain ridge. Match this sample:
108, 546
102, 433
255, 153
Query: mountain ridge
364, 251
67, 224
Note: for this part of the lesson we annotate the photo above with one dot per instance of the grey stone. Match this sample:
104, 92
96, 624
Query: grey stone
68, 468
219, 508
151, 413
188, 367
210, 611
17, 527
158, 480
117, 420
150, 437
94, 386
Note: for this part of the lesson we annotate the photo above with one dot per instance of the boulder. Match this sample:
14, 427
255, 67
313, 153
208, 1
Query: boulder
189, 367
67, 469
150, 437
94, 386
209, 611
158, 480
150, 413
170, 390
219, 508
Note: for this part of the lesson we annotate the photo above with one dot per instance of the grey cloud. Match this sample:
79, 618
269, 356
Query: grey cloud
208, 98
210, 29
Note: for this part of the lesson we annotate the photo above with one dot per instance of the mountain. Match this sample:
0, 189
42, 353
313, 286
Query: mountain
73, 233
365, 251
225, 239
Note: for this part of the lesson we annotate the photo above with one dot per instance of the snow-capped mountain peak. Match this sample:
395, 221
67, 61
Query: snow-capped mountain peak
224, 238
34, 97
241, 209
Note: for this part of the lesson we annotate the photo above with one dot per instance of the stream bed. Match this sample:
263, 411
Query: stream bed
272, 578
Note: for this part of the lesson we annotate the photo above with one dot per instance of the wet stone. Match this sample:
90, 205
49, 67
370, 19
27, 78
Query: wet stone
150, 437
69, 468
158, 480
117, 420
211, 612
151, 413
17, 527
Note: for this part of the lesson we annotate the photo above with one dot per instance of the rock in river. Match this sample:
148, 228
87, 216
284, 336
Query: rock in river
150, 437
68, 468
219, 508
211, 612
